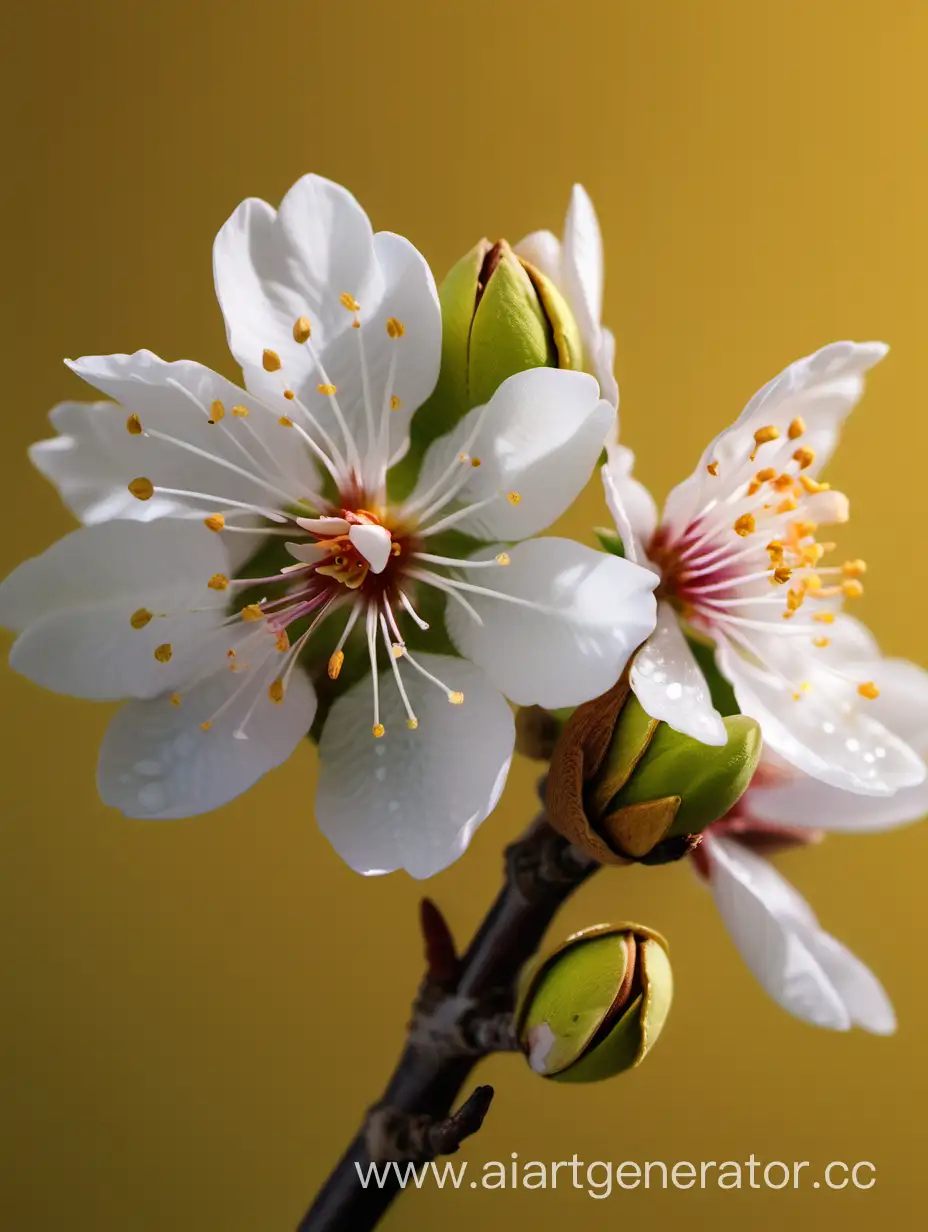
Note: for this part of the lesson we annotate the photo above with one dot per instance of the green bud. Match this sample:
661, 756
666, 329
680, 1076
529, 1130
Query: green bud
500, 315
623, 786
709, 779
596, 1005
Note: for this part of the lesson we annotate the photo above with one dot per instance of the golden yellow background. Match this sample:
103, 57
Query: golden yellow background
196, 1013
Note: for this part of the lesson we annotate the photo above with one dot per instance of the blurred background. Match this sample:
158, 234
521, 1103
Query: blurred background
196, 1013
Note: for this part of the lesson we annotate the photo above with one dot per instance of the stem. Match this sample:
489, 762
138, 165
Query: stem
542, 871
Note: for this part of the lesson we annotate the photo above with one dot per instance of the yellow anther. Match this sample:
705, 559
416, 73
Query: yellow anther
852, 589
230, 653
455, 698
395, 328
378, 730
812, 582
252, 612
283, 641
812, 553
275, 691
412, 724
805, 457
795, 599
335, 664
713, 468
475, 462
205, 726
302, 330
854, 568
327, 390
503, 558
349, 302
802, 530
216, 412
796, 428
513, 498
395, 548
781, 575
821, 642
395, 403
239, 411
139, 619
289, 395
784, 483
745, 525
134, 425
285, 421
270, 361
754, 487
142, 489
765, 475
215, 522
775, 551
762, 436
824, 618
175, 699
869, 690
787, 506
398, 650
163, 652
218, 581
812, 486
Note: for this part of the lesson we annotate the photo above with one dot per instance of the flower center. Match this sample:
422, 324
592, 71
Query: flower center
747, 559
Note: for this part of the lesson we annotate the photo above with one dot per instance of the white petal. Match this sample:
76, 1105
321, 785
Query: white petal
630, 503
828, 730
903, 708
543, 250
771, 925
374, 543
222, 459
541, 435
808, 802
93, 458
156, 763
413, 799
863, 995
405, 291
821, 389
273, 267
669, 683
595, 610
604, 371
91, 461
72, 606
582, 265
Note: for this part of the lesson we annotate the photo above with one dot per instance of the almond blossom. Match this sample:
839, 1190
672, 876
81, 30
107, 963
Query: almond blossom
745, 566
244, 547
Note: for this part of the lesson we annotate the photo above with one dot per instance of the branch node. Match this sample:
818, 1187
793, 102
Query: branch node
391, 1134
441, 957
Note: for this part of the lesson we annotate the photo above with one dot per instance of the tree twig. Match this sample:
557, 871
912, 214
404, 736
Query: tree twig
463, 1011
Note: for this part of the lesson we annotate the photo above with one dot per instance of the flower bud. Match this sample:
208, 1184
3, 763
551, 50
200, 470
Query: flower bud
595, 1006
624, 787
500, 315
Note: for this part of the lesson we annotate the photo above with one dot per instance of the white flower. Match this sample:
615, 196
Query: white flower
575, 266
741, 564
338, 332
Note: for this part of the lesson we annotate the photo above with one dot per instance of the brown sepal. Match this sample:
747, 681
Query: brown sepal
577, 757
